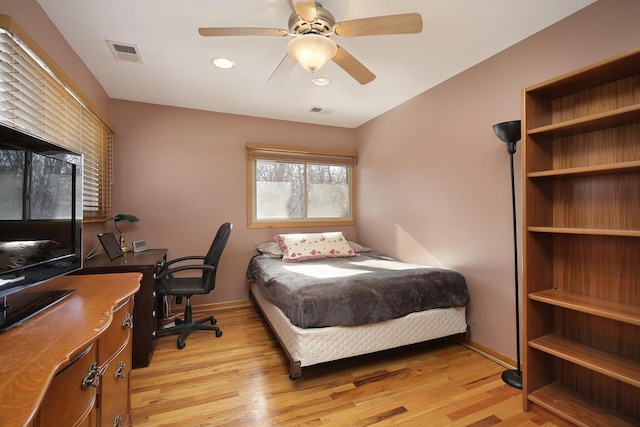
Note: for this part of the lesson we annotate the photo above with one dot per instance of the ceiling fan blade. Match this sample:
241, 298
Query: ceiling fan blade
283, 69
212, 32
353, 67
306, 9
406, 23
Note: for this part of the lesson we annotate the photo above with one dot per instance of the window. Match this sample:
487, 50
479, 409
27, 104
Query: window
47, 192
290, 186
36, 99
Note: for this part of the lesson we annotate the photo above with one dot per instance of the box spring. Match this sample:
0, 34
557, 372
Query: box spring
306, 347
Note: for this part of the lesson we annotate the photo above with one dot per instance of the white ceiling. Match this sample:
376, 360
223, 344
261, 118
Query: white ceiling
177, 70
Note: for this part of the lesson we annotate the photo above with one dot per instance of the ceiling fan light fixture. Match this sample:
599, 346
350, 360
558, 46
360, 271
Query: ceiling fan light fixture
223, 63
312, 51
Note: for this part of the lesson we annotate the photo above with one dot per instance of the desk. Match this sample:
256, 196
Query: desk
147, 311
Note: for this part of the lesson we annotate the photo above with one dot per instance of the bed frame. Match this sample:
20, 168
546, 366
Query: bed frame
306, 347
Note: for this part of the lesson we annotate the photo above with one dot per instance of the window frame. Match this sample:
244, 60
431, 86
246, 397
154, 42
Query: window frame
257, 152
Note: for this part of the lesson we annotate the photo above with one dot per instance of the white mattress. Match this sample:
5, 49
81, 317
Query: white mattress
317, 345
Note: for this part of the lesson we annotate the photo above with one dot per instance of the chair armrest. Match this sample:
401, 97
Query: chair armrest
168, 272
184, 258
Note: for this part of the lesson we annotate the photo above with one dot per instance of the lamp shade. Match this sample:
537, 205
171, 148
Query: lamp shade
508, 131
125, 218
312, 51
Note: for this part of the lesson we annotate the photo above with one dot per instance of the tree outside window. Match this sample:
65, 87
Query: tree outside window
290, 187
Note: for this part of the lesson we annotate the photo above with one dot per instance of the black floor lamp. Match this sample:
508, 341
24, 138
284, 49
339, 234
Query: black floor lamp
510, 132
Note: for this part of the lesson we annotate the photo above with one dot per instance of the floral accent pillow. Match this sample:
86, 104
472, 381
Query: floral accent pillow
305, 246
273, 250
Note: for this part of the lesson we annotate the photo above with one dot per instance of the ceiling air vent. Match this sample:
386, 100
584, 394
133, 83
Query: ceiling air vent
125, 52
321, 110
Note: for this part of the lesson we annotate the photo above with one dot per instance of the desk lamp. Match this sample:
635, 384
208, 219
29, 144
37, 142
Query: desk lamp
510, 133
124, 218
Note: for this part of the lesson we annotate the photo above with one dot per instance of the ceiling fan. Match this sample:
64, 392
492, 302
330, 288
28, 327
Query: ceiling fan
311, 27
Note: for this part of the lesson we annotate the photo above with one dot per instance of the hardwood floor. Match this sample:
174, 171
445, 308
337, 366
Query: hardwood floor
241, 379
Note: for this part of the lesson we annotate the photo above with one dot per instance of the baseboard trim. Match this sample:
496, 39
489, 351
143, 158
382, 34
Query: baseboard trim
217, 306
489, 353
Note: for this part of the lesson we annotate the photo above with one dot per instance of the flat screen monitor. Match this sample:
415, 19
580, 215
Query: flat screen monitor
40, 213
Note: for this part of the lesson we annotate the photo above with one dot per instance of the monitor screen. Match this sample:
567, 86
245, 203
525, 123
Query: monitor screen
40, 210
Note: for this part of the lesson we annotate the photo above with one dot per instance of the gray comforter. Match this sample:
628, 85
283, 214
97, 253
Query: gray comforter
355, 290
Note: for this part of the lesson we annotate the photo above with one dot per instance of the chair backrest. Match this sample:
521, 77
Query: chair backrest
214, 253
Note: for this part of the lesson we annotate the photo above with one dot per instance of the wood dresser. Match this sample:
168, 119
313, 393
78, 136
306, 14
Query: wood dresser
70, 365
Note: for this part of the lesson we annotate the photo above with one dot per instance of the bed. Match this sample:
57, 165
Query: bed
330, 306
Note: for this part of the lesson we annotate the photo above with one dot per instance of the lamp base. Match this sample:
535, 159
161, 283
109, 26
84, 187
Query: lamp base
513, 378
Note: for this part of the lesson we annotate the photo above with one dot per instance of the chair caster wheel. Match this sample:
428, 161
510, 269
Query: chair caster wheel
181, 345
214, 321
218, 334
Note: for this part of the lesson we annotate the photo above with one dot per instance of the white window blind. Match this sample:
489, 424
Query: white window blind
34, 99
295, 154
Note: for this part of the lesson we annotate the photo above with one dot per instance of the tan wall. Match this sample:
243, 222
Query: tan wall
446, 203
435, 180
183, 173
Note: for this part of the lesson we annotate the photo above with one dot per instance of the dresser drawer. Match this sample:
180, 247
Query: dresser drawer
115, 385
72, 395
118, 334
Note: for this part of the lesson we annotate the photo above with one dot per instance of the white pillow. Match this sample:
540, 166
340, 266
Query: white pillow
358, 248
305, 246
270, 249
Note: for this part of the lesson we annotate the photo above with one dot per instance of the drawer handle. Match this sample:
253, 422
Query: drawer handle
117, 421
127, 323
121, 370
92, 378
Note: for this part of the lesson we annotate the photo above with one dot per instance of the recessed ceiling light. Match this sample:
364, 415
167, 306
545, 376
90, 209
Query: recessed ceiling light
321, 81
223, 63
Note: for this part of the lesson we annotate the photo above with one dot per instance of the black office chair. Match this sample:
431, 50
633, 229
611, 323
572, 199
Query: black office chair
181, 286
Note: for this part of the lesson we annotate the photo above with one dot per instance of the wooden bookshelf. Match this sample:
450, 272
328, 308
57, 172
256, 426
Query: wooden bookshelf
581, 192
595, 306
575, 409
